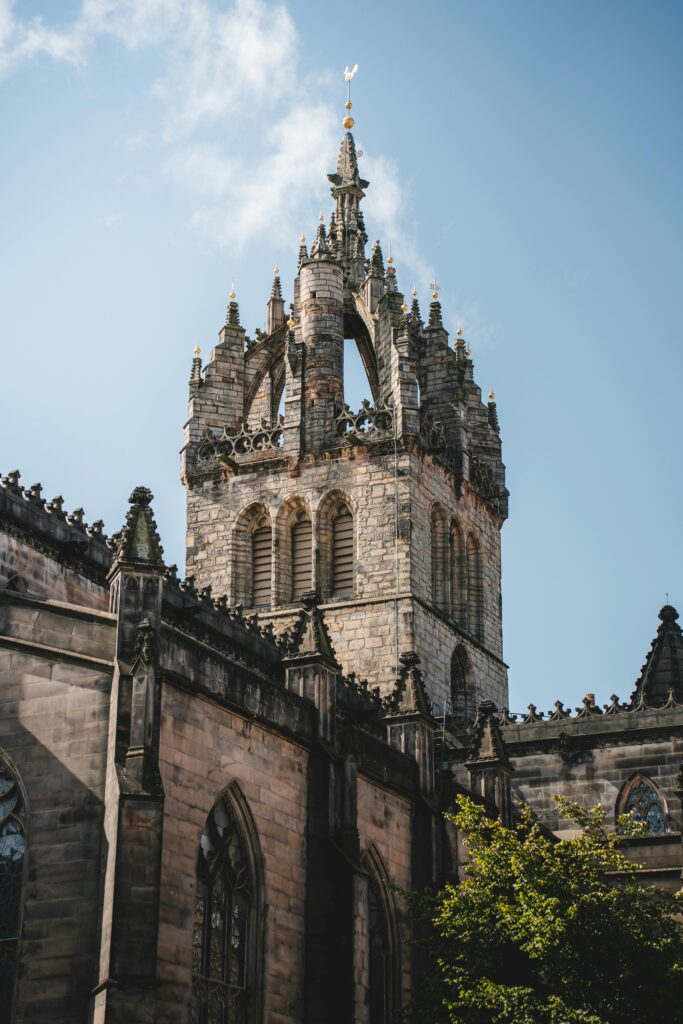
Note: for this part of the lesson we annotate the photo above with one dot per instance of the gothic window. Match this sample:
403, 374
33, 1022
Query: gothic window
342, 551
440, 567
12, 855
641, 799
302, 555
462, 699
225, 947
261, 563
458, 584
384, 962
475, 588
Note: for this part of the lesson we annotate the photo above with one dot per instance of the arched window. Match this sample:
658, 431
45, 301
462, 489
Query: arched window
261, 563
12, 858
458, 575
642, 800
475, 588
440, 570
384, 954
462, 691
302, 555
342, 551
226, 946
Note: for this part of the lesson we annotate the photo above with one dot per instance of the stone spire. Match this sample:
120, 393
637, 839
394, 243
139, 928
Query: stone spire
303, 251
196, 372
232, 315
663, 668
276, 304
320, 247
415, 314
488, 763
348, 189
377, 261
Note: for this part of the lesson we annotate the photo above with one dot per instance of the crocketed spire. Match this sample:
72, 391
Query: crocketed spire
435, 319
347, 166
196, 372
320, 247
303, 251
415, 314
663, 668
276, 290
376, 261
232, 315
138, 543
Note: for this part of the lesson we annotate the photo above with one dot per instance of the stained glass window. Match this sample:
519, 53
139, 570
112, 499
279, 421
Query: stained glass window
644, 803
12, 853
222, 921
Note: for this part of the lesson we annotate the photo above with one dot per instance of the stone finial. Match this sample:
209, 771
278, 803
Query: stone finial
415, 314
10, 482
376, 261
232, 315
276, 289
493, 414
320, 247
309, 636
435, 318
138, 543
487, 742
410, 694
303, 251
196, 371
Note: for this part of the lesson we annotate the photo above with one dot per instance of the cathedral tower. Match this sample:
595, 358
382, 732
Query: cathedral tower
392, 512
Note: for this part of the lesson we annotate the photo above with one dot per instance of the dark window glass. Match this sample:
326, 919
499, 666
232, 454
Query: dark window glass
379, 952
644, 803
223, 903
12, 854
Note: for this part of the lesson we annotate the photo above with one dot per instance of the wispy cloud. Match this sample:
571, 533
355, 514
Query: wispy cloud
236, 127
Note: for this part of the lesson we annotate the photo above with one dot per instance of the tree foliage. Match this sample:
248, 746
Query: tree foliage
548, 932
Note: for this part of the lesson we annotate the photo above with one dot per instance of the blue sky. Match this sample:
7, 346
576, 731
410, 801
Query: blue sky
528, 153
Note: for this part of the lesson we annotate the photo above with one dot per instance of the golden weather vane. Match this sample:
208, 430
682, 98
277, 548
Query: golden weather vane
348, 121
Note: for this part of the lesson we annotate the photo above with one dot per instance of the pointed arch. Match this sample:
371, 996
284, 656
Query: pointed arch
458, 573
229, 918
640, 797
13, 847
440, 560
474, 587
252, 557
384, 938
294, 546
463, 689
336, 545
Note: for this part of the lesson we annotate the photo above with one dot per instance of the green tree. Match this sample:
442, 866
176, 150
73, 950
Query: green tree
548, 932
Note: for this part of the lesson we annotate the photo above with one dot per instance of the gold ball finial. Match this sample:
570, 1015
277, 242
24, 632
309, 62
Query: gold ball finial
414, 292
303, 237
390, 261
492, 395
468, 352
404, 308
197, 350
348, 104
348, 122
291, 323
321, 218
232, 291
459, 331
276, 270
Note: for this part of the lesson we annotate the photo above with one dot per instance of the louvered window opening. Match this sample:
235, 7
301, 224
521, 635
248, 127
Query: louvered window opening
262, 566
302, 562
342, 554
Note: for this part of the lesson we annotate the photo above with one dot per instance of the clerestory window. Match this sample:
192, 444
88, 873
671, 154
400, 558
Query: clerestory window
12, 858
